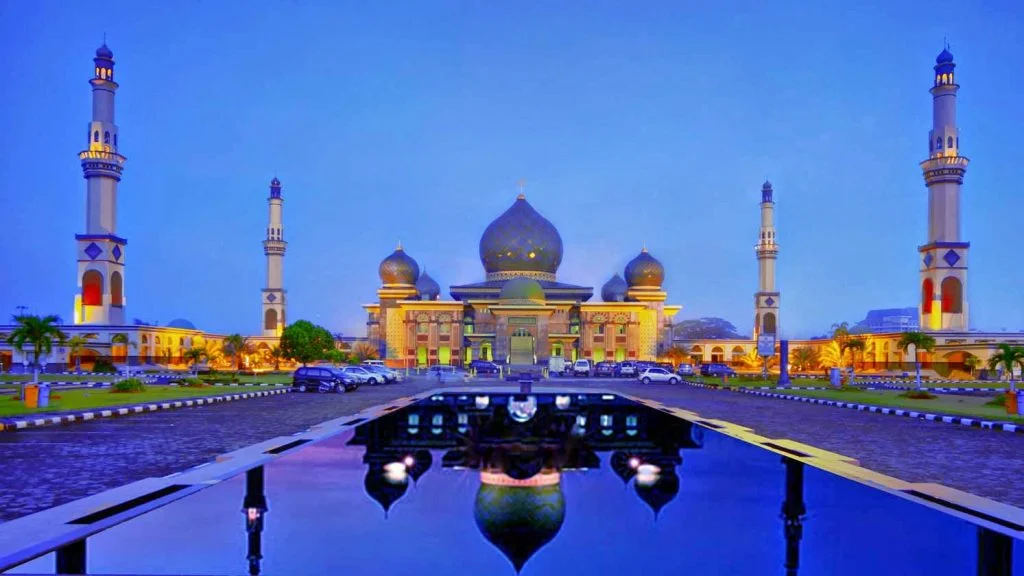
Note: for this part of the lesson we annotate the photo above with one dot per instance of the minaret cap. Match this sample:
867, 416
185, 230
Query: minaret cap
766, 192
275, 188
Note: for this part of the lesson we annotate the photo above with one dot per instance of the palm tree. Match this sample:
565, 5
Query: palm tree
971, 362
122, 340
40, 333
920, 341
844, 340
1007, 357
276, 354
75, 345
193, 356
364, 351
676, 355
234, 346
805, 358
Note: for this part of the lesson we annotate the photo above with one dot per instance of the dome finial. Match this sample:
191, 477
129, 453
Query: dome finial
399, 247
643, 250
522, 189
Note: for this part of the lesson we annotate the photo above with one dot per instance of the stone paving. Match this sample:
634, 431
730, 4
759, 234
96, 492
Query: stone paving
50, 466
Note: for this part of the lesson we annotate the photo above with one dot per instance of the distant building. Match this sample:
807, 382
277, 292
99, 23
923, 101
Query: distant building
890, 320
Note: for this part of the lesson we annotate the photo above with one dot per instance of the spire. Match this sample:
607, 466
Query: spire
399, 247
522, 189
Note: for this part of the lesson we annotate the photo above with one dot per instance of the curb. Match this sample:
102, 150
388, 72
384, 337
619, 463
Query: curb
12, 424
961, 420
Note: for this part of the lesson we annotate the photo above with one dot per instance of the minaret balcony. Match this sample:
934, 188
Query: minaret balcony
767, 250
274, 247
944, 169
101, 163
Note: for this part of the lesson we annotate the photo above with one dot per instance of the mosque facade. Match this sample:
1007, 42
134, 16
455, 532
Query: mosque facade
520, 313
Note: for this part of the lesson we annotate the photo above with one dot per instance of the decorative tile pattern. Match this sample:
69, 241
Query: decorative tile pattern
117, 253
770, 301
271, 297
93, 251
928, 259
951, 257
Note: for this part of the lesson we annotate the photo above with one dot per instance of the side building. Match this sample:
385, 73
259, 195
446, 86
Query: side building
520, 314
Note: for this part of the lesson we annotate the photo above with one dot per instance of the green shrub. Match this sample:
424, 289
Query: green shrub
999, 401
103, 365
918, 395
128, 385
190, 382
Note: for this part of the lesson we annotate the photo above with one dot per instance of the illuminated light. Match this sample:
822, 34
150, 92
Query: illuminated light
647, 480
482, 402
533, 254
648, 469
607, 397
581, 420
634, 462
252, 514
501, 479
562, 402
396, 473
435, 431
522, 410
408, 461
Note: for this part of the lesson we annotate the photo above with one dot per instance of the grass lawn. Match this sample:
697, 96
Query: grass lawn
57, 377
958, 405
85, 398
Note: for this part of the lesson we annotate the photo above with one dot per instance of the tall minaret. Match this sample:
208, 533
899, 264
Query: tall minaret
274, 247
766, 299
101, 253
944, 257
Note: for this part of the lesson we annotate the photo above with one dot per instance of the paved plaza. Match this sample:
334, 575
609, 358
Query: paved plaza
51, 466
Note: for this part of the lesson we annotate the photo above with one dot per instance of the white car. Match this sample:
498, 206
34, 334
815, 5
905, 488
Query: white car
581, 367
657, 375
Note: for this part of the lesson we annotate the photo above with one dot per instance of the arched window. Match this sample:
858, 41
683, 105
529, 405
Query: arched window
949, 142
769, 323
938, 143
952, 295
931, 146
116, 289
106, 137
145, 339
115, 140
96, 136
92, 288
957, 141
927, 289
270, 319
422, 328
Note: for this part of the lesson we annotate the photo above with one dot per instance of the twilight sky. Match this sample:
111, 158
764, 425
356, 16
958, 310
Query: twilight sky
647, 122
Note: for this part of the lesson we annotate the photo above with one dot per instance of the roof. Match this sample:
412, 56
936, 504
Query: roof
552, 290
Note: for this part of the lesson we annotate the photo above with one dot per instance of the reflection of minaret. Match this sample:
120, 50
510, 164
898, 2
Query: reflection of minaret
793, 511
101, 253
274, 247
766, 299
254, 506
944, 257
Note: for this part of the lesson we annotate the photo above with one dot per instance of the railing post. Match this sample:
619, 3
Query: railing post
995, 553
793, 512
254, 506
71, 558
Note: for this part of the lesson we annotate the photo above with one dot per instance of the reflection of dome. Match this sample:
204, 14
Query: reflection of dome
399, 268
620, 464
659, 493
422, 460
428, 287
614, 290
519, 520
521, 242
522, 290
382, 489
181, 323
645, 271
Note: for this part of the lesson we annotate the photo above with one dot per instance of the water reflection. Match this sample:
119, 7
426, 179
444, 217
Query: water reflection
521, 445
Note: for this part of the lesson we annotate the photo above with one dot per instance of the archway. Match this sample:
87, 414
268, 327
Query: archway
92, 288
270, 319
717, 354
556, 349
927, 290
768, 323
421, 356
521, 348
697, 352
485, 352
952, 295
738, 354
116, 289
444, 355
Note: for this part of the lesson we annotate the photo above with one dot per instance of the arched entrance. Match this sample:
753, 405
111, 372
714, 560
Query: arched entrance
421, 356
521, 347
717, 354
556, 349
485, 352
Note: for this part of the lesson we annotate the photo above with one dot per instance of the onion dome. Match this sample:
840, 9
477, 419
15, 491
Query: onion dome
521, 242
421, 462
660, 492
519, 520
614, 290
383, 489
645, 271
428, 287
399, 268
522, 291
275, 188
621, 465
104, 52
944, 57
181, 323
766, 192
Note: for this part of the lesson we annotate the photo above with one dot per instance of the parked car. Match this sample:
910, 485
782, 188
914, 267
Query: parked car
323, 379
581, 368
666, 365
384, 372
363, 375
626, 369
604, 369
374, 363
716, 369
484, 367
447, 374
658, 375
685, 370
558, 365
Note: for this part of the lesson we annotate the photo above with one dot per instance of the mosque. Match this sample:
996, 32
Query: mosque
520, 314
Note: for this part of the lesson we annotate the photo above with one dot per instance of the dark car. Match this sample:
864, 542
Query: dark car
666, 365
716, 369
484, 367
626, 369
604, 369
322, 379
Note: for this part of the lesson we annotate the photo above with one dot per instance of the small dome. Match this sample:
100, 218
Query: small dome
519, 520
181, 323
384, 491
659, 493
104, 52
428, 287
944, 57
614, 290
275, 182
522, 290
766, 186
645, 271
520, 240
399, 268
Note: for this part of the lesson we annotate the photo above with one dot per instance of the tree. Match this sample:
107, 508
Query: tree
305, 342
335, 357
40, 333
235, 345
121, 339
75, 345
705, 329
364, 351
920, 341
195, 355
1007, 357
805, 358
844, 341
971, 362
676, 355
276, 356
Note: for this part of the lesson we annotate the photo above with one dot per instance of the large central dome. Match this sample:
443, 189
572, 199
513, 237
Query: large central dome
521, 242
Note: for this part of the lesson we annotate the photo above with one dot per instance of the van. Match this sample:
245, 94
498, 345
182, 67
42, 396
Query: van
581, 368
556, 365
374, 363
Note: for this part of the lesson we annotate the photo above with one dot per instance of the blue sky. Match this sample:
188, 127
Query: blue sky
632, 122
